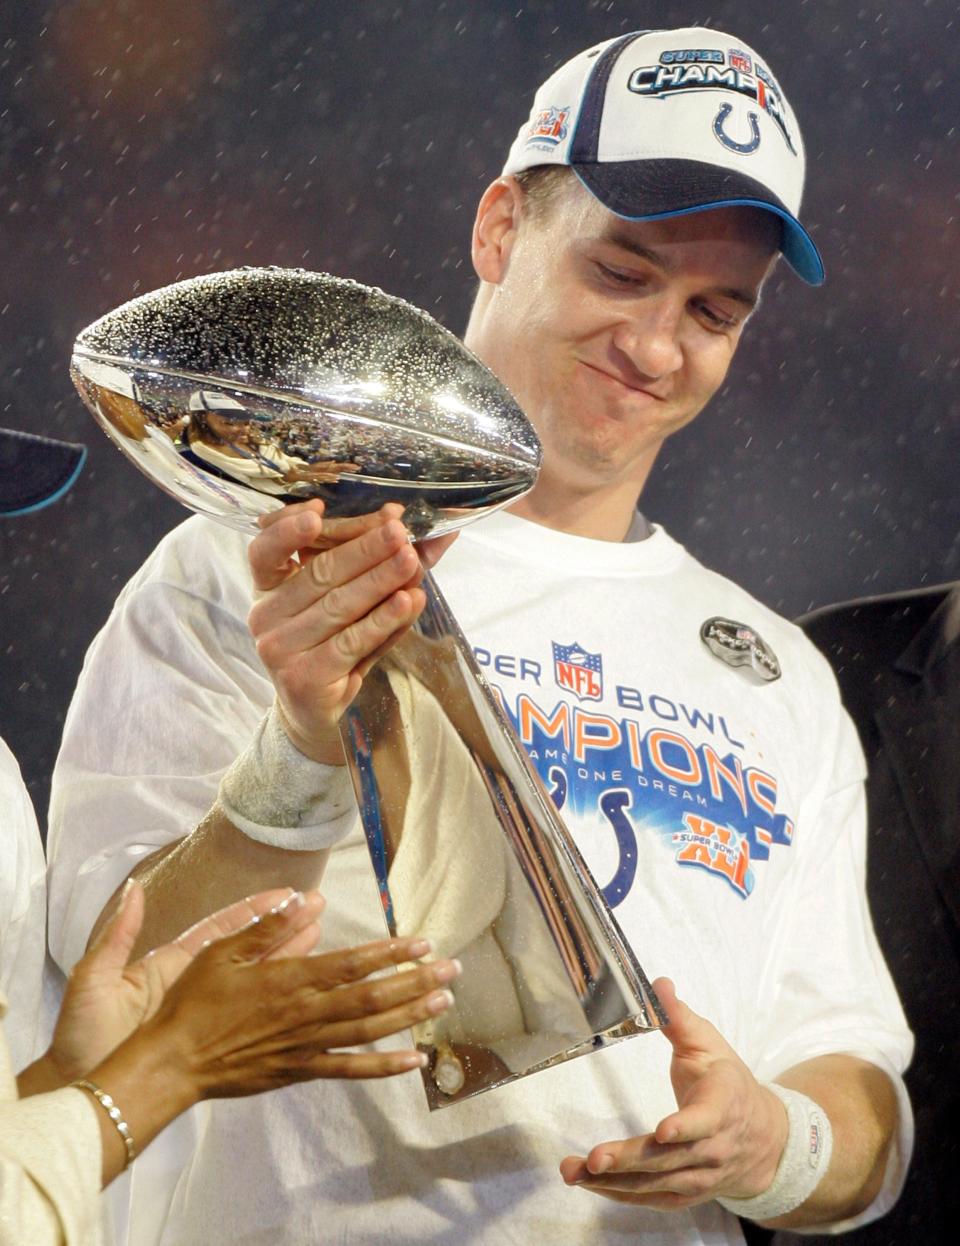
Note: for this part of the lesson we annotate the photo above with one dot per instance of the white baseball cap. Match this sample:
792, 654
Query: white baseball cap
662, 123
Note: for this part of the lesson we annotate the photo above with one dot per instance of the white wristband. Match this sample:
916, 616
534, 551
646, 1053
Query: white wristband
805, 1159
277, 796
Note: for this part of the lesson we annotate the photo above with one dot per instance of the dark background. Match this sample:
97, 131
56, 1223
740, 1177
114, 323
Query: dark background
146, 140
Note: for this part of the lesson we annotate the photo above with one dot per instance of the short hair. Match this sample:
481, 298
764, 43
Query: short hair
543, 186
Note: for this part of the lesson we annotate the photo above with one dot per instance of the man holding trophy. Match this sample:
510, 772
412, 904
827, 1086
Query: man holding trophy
693, 742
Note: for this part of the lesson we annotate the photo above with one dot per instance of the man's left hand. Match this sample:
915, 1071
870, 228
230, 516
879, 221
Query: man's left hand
725, 1139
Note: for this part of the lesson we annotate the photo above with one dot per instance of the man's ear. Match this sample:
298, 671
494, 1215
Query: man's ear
495, 229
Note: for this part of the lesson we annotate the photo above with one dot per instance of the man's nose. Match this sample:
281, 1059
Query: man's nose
650, 338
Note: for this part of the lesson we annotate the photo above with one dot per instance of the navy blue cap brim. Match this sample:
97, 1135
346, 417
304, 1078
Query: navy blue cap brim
35, 471
651, 190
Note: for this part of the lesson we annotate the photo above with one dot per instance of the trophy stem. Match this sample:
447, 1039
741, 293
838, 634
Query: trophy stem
470, 851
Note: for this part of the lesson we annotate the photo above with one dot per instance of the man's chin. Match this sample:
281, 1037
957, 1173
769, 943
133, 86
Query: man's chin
600, 460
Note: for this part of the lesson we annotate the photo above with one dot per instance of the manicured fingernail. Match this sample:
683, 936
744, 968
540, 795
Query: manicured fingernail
419, 947
416, 1060
446, 970
439, 1001
603, 1164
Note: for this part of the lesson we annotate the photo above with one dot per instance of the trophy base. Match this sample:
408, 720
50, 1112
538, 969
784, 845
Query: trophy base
458, 1072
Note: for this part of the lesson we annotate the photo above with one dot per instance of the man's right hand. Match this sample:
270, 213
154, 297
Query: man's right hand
333, 596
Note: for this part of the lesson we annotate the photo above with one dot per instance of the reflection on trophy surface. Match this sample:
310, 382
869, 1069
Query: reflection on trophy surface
241, 391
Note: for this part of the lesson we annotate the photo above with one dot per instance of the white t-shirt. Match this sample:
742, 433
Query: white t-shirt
724, 820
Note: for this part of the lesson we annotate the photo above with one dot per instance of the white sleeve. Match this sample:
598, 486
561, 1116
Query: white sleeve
50, 1170
830, 989
170, 692
22, 913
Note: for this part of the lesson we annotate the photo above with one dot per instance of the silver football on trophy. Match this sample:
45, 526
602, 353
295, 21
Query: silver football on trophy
242, 390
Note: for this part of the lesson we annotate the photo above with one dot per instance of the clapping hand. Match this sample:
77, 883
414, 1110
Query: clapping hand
107, 998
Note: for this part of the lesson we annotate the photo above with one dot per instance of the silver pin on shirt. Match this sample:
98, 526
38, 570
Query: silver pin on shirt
740, 646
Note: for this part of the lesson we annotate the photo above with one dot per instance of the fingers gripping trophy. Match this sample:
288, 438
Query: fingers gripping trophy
243, 391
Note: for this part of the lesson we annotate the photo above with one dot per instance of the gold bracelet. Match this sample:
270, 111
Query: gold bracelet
111, 1109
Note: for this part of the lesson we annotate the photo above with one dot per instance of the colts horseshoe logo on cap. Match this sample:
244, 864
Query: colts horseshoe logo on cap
739, 645
743, 148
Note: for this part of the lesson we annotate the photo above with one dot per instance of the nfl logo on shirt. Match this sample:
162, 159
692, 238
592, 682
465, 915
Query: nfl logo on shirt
740, 60
578, 671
